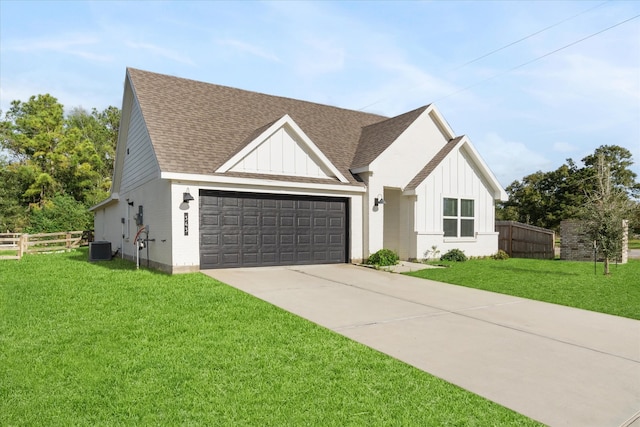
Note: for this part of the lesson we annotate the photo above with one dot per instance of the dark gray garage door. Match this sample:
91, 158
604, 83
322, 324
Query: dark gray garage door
249, 230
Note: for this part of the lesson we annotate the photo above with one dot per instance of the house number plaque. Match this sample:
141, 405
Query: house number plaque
186, 223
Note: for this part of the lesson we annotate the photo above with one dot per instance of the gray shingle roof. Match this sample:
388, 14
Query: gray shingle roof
195, 127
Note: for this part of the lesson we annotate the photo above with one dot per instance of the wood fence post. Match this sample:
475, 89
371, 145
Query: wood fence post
68, 243
22, 245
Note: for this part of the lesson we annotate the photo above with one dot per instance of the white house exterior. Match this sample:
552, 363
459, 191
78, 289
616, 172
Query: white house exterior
277, 181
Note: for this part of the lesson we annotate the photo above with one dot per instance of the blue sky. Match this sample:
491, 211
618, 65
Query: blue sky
383, 57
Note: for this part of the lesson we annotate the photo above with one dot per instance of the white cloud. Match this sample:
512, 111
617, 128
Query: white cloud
564, 147
68, 44
509, 160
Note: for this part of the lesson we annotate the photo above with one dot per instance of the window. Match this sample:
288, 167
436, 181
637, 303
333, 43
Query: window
458, 217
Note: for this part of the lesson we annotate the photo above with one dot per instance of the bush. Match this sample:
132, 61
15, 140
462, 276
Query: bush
500, 255
454, 255
384, 257
62, 213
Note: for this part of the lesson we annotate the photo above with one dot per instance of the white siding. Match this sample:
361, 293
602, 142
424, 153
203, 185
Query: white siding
455, 177
186, 255
392, 221
394, 168
140, 164
282, 153
154, 197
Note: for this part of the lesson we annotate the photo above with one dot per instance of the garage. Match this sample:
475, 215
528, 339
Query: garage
240, 229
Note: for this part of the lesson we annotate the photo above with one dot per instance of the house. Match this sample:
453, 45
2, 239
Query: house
208, 176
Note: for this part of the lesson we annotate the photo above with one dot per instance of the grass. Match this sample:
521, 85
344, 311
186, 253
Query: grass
567, 283
634, 243
103, 344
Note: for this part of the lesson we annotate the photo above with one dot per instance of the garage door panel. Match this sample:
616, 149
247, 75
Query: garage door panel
250, 258
320, 206
210, 219
246, 229
230, 259
304, 221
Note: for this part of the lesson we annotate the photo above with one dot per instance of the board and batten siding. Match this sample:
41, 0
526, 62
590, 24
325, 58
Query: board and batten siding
282, 154
456, 176
140, 164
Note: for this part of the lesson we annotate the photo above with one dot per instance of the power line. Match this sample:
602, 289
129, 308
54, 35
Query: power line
509, 45
538, 58
526, 37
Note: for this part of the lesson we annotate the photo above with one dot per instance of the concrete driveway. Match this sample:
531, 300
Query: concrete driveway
558, 365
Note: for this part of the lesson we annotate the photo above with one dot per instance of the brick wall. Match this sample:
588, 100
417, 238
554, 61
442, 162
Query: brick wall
576, 246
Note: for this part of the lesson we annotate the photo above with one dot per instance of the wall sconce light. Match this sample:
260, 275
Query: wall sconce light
187, 197
378, 201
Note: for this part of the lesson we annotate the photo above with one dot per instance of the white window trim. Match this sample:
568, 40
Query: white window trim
459, 238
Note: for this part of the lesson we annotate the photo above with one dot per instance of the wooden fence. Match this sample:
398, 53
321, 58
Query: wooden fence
22, 244
525, 241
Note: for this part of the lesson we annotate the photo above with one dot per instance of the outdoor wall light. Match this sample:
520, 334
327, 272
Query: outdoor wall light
187, 197
378, 201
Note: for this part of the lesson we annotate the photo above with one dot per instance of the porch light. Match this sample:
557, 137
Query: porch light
378, 201
187, 197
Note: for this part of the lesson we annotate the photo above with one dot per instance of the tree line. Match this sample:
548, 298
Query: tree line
544, 199
53, 166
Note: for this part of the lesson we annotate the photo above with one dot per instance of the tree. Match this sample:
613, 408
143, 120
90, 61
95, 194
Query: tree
48, 155
32, 133
544, 199
618, 160
12, 212
95, 137
607, 208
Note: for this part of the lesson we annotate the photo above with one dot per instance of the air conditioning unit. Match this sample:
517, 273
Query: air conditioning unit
100, 251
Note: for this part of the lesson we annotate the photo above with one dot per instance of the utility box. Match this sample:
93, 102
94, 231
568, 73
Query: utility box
100, 251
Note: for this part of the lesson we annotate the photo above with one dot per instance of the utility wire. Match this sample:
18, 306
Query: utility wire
502, 48
526, 37
538, 58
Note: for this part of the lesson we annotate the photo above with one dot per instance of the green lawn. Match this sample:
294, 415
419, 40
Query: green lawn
634, 243
102, 344
561, 282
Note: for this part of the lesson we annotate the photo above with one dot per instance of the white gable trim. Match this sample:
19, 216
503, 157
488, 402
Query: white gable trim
498, 191
440, 122
285, 120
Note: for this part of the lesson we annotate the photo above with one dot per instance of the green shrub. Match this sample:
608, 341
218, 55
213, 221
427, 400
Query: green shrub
500, 255
384, 257
454, 255
62, 213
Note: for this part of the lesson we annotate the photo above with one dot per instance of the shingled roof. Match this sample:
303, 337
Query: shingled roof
195, 127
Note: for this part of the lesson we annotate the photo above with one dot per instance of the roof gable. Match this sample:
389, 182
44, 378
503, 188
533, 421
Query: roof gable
376, 137
282, 148
459, 143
